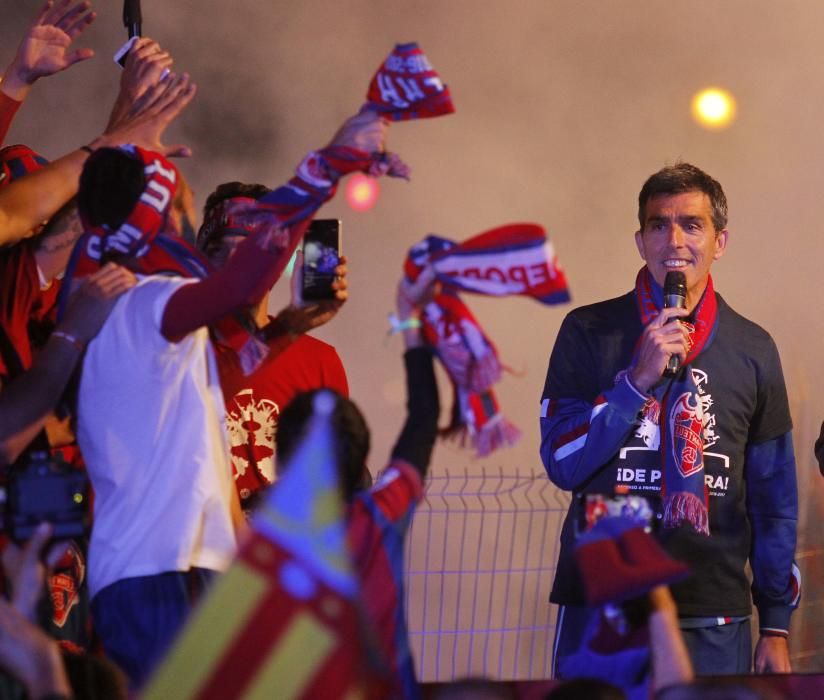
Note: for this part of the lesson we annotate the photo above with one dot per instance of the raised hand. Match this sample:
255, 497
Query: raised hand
93, 300
366, 131
303, 316
147, 118
146, 65
46, 47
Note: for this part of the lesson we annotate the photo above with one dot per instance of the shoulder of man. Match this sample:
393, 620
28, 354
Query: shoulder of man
607, 311
744, 328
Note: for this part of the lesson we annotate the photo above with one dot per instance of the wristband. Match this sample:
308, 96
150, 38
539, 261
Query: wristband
397, 325
767, 632
69, 338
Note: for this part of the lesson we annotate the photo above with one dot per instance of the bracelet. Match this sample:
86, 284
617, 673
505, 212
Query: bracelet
397, 325
87, 148
766, 632
69, 338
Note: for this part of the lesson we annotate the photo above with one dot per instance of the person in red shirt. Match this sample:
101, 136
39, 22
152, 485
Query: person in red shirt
308, 363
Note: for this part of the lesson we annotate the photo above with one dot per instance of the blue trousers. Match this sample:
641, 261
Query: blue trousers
714, 651
720, 651
138, 618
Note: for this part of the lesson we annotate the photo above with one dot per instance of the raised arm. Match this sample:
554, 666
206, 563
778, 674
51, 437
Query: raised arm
29, 201
280, 218
44, 50
417, 437
29, 399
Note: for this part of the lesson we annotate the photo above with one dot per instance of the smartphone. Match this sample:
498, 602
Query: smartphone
591, 507
321, 255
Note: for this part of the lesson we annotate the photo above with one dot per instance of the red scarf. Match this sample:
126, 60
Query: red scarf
406, 86
678, 402
514, 259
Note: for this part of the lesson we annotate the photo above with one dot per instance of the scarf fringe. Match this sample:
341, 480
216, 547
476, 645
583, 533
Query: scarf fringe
685, 507
496, 433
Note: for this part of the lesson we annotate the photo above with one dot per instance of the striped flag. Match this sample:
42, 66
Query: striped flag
284, 620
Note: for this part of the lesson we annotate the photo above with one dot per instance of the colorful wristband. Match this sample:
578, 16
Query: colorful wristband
397, 325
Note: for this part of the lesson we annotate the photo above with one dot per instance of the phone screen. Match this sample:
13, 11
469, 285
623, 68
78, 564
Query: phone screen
321, 255
591, 507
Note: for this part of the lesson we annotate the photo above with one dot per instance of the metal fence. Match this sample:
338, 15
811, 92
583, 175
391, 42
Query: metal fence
480, 563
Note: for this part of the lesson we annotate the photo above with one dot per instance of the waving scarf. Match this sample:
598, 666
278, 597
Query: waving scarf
150, 251
514, 259
678, 403
406, 86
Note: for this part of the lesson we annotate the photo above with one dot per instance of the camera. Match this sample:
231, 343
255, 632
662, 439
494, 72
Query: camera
46, 489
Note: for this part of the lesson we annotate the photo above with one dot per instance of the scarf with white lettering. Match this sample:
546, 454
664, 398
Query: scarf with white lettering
516, 259
406, 86
150, 251
681, 412
140, 238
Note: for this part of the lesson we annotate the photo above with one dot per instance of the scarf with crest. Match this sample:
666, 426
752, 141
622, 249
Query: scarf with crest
677, 403
516, 259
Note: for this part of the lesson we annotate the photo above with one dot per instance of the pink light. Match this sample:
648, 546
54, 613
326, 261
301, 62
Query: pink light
362, 192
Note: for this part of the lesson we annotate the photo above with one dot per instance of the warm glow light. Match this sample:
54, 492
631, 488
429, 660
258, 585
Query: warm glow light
713, 108
362, 192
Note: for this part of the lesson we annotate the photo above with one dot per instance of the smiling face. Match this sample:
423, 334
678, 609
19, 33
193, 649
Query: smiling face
679, 234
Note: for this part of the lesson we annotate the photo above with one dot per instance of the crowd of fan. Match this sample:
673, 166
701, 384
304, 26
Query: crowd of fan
172, 354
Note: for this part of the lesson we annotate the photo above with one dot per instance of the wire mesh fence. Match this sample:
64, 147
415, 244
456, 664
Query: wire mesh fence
480, 563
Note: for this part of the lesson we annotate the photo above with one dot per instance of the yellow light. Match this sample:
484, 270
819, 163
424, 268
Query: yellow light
713, 108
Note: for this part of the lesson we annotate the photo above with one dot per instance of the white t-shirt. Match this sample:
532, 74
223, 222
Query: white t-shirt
151, 426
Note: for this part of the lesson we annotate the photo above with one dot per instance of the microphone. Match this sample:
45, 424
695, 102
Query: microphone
675, 296
132, 18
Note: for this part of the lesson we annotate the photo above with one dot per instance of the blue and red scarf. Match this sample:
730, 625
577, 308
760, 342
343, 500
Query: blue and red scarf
142, 240
150, 251
678, 403
516, 259
17, 161
406, 86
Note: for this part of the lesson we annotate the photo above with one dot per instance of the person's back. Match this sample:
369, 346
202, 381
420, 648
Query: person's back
150, 424
378, 518
150, 428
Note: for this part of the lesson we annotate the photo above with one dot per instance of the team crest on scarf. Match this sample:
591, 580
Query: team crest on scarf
686, 420
683, 432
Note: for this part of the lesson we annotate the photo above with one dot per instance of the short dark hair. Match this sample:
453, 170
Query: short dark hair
352, 438
684, 177
110, 184
227, 190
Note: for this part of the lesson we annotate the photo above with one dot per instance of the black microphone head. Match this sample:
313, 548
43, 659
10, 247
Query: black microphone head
675, 284
131, 13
